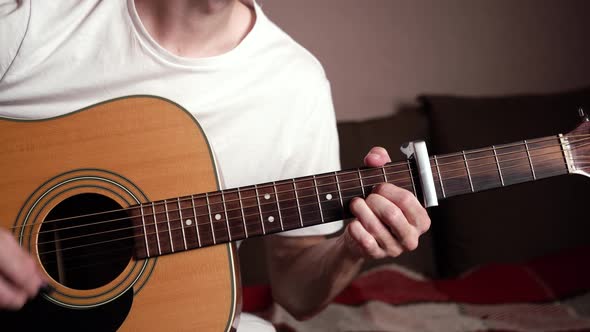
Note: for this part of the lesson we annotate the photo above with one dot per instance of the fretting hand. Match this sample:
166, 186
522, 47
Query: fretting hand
389, 221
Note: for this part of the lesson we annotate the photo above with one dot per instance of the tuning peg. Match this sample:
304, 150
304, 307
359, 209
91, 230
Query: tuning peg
583, 114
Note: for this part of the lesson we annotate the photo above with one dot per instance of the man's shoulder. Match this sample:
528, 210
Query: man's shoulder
290, 53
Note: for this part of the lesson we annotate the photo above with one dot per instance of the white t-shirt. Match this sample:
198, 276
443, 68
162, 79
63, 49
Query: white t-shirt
265, 106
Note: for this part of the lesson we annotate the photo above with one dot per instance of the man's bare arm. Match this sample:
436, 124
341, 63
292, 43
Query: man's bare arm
307, 273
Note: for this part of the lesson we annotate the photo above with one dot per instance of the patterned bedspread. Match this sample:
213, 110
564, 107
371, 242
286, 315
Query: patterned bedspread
547, 294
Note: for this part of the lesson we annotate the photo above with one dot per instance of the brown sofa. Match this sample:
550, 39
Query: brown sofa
512, 224
509, 225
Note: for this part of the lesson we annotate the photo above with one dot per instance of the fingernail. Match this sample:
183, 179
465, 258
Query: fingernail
373, 155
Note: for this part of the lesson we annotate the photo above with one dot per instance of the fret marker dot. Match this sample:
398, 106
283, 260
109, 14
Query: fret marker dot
329, 196
271, 219
267, 196
189, 222
218, 217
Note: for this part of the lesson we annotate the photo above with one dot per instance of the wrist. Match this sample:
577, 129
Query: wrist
349, 249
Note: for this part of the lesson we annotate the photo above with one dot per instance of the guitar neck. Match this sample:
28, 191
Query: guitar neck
498, 166
206, 219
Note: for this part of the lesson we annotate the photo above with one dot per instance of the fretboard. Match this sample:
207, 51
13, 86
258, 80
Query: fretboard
189, 222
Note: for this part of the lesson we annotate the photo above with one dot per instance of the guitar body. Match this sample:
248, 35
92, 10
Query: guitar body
118, 154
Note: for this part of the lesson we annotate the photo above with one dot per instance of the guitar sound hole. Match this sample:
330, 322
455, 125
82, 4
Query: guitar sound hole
84, 246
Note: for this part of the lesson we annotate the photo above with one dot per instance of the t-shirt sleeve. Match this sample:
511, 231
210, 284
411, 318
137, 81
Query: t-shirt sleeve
318, 151
14, 20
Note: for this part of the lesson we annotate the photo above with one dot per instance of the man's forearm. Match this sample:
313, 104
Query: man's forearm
307, 273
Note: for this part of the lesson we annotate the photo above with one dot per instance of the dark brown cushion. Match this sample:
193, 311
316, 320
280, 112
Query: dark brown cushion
515, 223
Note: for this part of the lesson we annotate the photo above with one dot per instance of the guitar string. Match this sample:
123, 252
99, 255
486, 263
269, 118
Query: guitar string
435, 174
354, 171
110, 259
515, 144
583, 167
63, 239
71, 258
222, 228
230, 191
313, 195
216, 230
308, 196
132, 247
528, 177
78, 256
243, 189
206, 231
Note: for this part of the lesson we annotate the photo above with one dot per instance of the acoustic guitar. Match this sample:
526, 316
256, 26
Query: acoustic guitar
110, 201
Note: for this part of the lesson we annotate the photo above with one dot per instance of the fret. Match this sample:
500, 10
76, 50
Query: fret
384, 174
361, 182
307, 197
226, 218
528, 153
315, 185
547, 157
233, 214
181, 221
145, 234
210, 218
514, 162
400, 174
188, 221
468, 172
269, 208
297, 200
169, 228
442, 188
161, 227
370, 178
289, 211
455, 177
412, 177
482, 165
242, 210
435, 177
196, 221
274, 187
339, 191
203, 220
218, 217
156, 226
348, 187
251, 212
259, 209
498, 165
328, 198
174, 220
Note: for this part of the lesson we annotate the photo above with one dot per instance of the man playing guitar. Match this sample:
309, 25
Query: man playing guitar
238, 73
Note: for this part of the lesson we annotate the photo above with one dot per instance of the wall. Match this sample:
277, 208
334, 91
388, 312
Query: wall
381, 54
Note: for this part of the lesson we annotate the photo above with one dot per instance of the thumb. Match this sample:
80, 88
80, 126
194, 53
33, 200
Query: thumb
376, 157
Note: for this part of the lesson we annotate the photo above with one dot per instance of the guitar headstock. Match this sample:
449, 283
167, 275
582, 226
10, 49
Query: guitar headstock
578, 143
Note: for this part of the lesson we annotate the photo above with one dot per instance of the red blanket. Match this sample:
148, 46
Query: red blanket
547, 294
